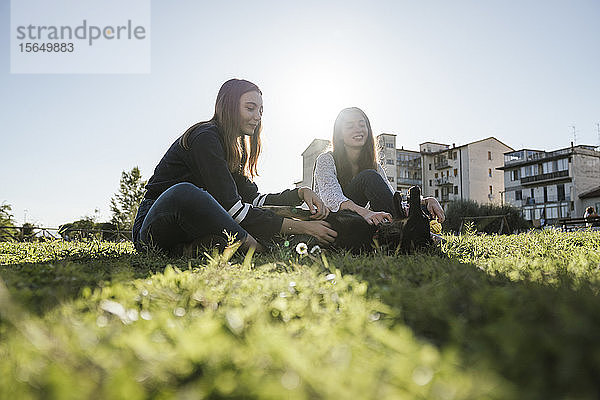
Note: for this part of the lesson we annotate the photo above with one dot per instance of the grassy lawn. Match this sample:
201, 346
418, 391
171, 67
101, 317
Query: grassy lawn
485, 317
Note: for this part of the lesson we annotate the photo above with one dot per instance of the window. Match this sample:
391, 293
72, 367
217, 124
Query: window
389, 145
539, 212
437, 193
436, 175
490, 172
455, 189
454, 155
489, 155
514, 175
491, 189
562, 164
545, 194
552, 212
518, 195
532, 193
429, 182
550, 166
430, 167
391, 162
529, 170
560, 191
455, 171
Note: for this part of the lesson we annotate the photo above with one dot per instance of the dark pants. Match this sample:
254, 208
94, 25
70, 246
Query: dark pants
369, 186
181, 214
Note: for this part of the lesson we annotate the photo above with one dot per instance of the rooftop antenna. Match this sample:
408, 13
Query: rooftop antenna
574, 134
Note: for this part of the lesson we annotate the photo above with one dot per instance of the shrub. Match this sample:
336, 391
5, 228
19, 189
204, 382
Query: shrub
457, 210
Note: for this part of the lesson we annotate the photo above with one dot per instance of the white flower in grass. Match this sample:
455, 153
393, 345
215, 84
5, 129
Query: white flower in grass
302, 249
315, 250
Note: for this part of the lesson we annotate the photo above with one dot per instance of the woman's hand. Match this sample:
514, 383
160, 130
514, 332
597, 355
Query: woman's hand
434, 208
377, 217
372, 217
314, 203
321, 230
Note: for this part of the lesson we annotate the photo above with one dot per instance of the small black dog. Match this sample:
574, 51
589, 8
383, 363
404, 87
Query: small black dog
405, 233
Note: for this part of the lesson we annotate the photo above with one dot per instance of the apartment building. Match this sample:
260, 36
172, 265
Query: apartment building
555, 184
463, 172
402, 167
309, 156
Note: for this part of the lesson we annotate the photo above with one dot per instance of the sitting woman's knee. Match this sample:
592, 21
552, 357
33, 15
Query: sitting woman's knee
188, 194
369, 175
183, 188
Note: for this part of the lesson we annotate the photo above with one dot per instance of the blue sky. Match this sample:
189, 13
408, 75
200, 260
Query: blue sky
450, 72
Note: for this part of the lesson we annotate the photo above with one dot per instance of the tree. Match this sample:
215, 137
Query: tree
124, 204
27, 233
6, 219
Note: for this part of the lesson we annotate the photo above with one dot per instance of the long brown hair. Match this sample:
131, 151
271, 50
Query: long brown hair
368, 153
241, 152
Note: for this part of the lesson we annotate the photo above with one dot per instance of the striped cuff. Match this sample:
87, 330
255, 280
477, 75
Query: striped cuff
239, 211
259, 200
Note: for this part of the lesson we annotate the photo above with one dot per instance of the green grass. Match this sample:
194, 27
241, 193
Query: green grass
483, 317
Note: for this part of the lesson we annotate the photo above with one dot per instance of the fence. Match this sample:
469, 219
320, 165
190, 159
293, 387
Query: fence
488, 219
35, 233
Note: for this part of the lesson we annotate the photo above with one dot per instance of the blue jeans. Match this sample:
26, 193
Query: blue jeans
181, 214
369, 186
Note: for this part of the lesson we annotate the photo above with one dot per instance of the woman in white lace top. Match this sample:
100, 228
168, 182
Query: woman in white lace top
349, 177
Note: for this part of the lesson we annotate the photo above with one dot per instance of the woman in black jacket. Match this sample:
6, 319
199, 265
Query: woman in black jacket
203, 187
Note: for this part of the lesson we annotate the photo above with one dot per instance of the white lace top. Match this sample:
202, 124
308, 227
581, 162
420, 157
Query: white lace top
326, 183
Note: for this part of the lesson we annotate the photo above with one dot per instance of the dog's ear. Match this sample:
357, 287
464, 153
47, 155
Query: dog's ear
414, 200
398, 209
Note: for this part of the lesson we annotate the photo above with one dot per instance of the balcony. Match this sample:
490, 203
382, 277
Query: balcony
414, 163
525, 156
544, 177
408, 181
441, 164
443, 181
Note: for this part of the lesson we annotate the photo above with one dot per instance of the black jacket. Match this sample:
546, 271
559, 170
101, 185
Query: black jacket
205, 166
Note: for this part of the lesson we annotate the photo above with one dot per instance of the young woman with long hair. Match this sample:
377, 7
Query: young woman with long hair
202, 187
349, 177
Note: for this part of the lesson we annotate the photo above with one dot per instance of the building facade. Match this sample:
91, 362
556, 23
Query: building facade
447, 172
552, 185
466, 172
402, 167
309, 156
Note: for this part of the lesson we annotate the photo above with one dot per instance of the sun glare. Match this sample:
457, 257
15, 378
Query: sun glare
320, 90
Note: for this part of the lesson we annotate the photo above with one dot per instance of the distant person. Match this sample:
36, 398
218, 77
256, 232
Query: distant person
203, 184
592, 216
349, 177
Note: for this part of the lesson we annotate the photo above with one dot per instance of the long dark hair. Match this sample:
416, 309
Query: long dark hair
241, 152
368, 153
